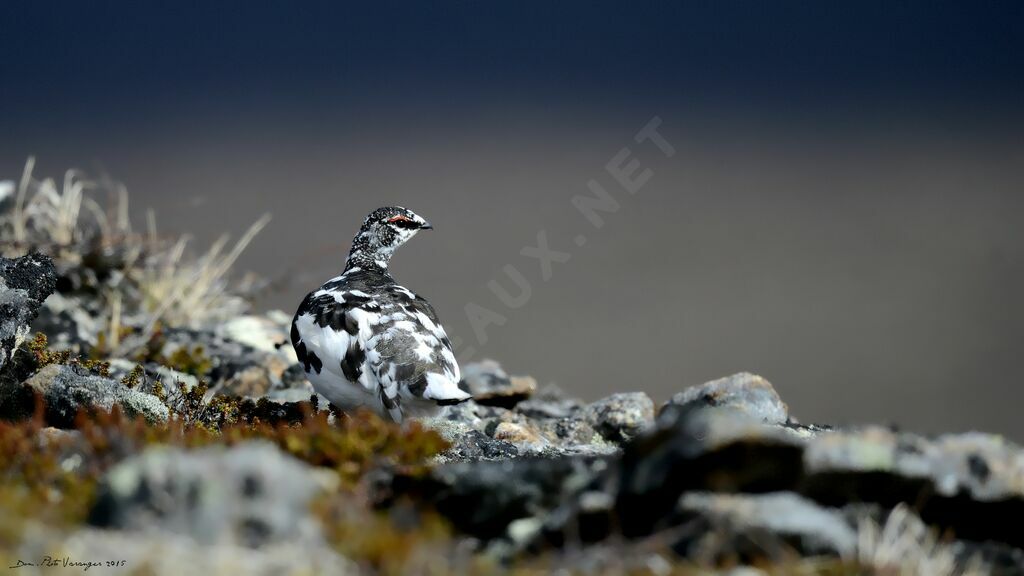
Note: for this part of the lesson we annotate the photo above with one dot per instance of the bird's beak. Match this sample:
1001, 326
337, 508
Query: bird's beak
426, 226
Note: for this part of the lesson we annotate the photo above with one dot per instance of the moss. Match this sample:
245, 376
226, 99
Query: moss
34, 483
44, 357
38, 346
192, 408
192, 361
135, 377
351, 446
158, 390
189, 360
189, 406
394, 542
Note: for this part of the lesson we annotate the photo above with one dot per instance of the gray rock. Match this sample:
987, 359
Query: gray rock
776, 523
490, 385
66, 390
672, 472
744, 391
296, 395
475, 445
294, 377
695, 448
621, 417
985, 466
67, 323
485, 498
520, 435
532, 432
571, 432
172, 380
268, 332
236, 368
24, 284
249, 495
491, 432
549, 402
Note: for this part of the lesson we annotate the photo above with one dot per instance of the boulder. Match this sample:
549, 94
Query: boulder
267, 332
488, 432
985, 467
491, 386
520, 435
67, 324
549, 402
24, 284
475, 445
68, 389
486, 499
761, 526
621, 417
744, 391
249, 495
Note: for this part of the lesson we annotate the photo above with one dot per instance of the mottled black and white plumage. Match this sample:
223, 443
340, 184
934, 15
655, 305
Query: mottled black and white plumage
363, 340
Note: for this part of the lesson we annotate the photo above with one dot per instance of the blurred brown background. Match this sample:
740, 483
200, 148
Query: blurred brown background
842, 215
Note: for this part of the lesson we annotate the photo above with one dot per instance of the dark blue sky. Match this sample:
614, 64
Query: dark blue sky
63, 59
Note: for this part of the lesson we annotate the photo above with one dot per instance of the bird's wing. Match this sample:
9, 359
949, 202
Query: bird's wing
411, 354
330, 332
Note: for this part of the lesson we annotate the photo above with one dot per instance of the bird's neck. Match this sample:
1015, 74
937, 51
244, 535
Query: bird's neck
366, 256
370, 262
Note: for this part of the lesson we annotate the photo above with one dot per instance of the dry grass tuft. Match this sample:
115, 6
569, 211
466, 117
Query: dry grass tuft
142, 280
179, 291
906, 546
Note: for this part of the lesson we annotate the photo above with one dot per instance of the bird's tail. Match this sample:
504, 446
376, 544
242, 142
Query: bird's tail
444, 390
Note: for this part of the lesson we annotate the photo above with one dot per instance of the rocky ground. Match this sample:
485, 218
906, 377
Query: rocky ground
136, 438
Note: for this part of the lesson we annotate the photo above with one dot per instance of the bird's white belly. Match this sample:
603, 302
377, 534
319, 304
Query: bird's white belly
341, 392
348, 396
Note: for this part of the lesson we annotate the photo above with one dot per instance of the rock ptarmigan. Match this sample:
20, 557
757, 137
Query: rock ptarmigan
364, 340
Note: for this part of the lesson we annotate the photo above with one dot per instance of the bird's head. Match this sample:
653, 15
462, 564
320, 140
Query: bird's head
383, 231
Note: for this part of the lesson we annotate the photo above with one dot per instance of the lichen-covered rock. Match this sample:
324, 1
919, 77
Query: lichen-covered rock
66, 323
254, 381
491, 386
985, 466
697, 448
229, 364
520, 435
485, 498
549, 402
744, 391
758, 526
267, 332
24, 284
475, 445
296, 395
572, 432
248, 495
487, 432
67, 389
621, 417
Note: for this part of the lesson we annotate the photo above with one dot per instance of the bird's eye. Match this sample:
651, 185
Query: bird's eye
402, 222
